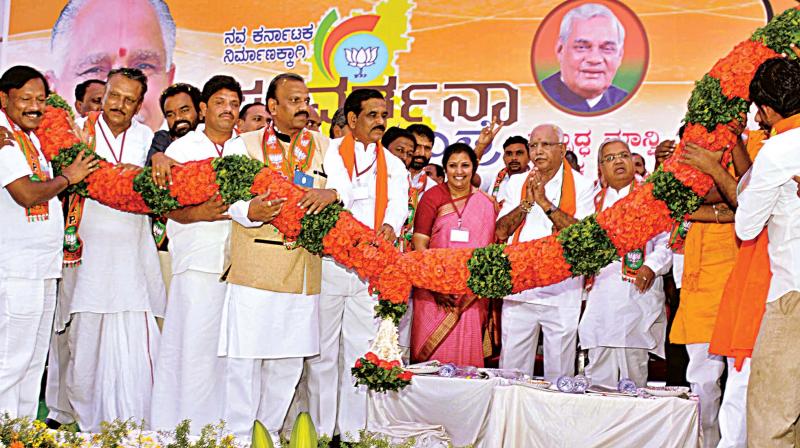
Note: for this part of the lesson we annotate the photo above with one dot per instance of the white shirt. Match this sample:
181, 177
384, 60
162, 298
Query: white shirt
199, 246
358, 194
771, 199
30, 250
538, 225
120, 270
616, 314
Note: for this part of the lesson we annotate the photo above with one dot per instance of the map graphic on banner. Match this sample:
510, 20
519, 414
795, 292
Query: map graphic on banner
450, 66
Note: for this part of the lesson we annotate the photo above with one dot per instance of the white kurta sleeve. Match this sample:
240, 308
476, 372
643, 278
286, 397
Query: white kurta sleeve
584, 199
338, 179
12, 165
238, 212
758, 199
397, 206
660, 259
509, 197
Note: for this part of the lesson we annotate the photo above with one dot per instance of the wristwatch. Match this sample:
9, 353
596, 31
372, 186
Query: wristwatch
550, 210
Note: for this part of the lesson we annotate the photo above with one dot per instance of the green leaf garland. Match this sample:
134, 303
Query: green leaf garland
587, 247
780, 32
709, 107
679, 198
490, 272
235, 176
315, 227
159, 201
65, 157
388, 310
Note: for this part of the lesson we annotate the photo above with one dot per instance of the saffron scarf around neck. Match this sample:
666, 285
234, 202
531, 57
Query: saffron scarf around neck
347, 151
41, 211
73, 244
567, 203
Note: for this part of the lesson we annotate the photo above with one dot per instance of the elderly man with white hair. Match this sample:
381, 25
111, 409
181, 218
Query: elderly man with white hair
624, 319
589, 51
551, 197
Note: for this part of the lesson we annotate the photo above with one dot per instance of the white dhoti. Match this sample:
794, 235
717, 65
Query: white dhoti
703, 374
265, 335
26, 320
110, 374
521, 324
188, 370
346, 327
608, 365
733, 412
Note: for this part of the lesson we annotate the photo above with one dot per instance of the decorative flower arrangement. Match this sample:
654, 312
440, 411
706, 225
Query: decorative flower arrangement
718, 101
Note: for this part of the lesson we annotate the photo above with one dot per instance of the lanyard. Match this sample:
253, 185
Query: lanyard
461, 212
355, 163
111, 148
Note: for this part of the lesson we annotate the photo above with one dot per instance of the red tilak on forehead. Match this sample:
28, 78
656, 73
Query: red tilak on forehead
123, 52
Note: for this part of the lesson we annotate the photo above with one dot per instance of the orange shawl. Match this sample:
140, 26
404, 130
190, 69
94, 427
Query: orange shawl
744, 298
347, 151
567, 203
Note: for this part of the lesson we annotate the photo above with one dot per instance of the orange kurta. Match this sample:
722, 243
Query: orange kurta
710, 255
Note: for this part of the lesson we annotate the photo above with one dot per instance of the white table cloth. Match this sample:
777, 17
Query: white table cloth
492, 414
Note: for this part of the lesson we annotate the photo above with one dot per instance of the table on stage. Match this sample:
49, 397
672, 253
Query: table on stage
494, 413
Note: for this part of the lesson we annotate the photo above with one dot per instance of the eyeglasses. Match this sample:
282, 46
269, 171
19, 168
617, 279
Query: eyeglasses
612, 157
544, 145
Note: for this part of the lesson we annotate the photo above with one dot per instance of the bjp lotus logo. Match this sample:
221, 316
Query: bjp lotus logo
361, 58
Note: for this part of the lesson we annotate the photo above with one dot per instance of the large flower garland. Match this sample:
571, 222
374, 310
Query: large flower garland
669, 195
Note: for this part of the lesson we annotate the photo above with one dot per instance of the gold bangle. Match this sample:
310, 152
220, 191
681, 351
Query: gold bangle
716, 212
526, 206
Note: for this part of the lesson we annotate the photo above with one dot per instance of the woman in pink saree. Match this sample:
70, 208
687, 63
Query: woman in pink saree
454, 214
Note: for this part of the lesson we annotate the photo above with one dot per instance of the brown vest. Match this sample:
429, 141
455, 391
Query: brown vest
257, 256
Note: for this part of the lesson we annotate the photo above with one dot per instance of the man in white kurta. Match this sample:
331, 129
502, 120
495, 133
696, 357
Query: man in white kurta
554, 309
117, 291
347, 322
625, 319
31, 240
269, 318
188, 370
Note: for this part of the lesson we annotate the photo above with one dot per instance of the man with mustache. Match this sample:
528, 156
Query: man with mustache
270, 313
187, 369
423, 151
180, 104
624, 320
89, 96
589, 51
516, 160
114, 289
551, 197
32, 239
373, 185
252, 117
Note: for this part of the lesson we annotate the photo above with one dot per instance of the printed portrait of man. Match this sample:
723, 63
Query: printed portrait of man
91, 37
589, 50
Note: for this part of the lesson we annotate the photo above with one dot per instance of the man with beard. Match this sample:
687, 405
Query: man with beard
252, 117
516, 160
92, 37
624, 320
373, 185
423, 150
180, 104
32, 239
550, 198
270, 314
89, 96
187, 369
115, 289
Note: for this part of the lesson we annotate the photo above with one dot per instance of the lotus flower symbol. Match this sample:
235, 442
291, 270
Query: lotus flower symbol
361, 58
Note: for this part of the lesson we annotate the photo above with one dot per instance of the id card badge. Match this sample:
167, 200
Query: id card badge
360, 192
302, 179
459, 236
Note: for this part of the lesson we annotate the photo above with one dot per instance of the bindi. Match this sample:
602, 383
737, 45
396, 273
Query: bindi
123, 52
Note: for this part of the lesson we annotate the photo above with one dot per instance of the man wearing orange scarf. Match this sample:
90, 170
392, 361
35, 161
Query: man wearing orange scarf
768, 197
373, 185
551, 197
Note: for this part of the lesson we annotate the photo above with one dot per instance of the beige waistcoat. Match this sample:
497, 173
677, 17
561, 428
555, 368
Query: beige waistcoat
257, 256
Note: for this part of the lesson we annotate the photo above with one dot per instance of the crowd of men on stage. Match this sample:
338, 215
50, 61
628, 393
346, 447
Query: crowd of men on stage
253, 329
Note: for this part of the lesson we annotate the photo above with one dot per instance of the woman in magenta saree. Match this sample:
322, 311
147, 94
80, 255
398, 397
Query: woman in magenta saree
452, 215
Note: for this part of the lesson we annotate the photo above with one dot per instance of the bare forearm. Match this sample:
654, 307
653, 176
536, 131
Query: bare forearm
184, 215
561, 220
706, 214
741, 159
28, 193
508, 224
726, 186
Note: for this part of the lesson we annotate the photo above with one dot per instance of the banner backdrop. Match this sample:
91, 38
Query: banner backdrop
450, 65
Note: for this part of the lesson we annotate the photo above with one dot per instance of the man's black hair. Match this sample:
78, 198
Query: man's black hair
777, 84
19, 75
219, 82
423, 130
354, 102
272, 89
393, 133
192, 91
80, 89
514, 140
133, 74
